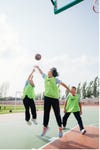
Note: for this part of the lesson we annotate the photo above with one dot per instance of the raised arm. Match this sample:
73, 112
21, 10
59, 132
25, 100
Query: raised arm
41, 72
30, 78
65, 86
31, 75
31, 82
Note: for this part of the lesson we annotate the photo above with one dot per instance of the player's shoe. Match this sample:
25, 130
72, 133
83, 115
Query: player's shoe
44, 131
34, 121
60, 132
83, 131
64, 128
29, 123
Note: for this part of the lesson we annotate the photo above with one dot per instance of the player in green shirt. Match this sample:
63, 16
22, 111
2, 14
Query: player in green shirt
73, 105
28, 99
51, 98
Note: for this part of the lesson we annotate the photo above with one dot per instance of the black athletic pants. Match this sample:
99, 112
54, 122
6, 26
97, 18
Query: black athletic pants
29, 104
77, 116
48, 102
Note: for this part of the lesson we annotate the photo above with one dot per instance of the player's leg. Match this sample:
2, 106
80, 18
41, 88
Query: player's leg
65, 118
26, 105
47, 107
80, 123
56, 108
33, 111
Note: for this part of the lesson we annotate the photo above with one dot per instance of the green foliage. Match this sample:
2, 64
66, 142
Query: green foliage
96, 87
89, 90
84, 89
5, 109
79, 89
4, 89
38, 96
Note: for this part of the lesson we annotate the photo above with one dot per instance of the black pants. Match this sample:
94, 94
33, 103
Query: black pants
48, 102
77, 116
29, 104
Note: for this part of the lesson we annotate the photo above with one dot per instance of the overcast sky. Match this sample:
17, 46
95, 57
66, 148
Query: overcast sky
68, 41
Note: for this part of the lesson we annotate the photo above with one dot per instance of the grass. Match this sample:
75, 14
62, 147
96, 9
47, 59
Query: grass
5, 109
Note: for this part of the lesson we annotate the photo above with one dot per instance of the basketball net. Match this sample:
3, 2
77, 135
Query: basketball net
96, 6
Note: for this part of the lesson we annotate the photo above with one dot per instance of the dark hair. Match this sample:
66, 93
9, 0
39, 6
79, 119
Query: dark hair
74, 87
54, 72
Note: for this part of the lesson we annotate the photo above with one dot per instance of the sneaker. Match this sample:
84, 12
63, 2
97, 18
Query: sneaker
64, 128
34, 121
29, 123
44, 131
60, 133
83, 131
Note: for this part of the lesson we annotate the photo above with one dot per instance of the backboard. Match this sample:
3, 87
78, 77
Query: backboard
61, 5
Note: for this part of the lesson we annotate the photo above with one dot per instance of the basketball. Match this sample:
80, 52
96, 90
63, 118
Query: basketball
37, 56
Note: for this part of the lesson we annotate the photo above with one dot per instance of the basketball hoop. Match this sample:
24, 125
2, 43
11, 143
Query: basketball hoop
62, 5
53, 3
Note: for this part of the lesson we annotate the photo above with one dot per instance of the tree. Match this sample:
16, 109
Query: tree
96, 87
89, 91
4, 89
66, 93
38, 96
79, 89
84, 89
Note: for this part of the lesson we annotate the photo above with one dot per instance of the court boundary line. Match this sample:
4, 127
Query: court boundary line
55, 139
93, 125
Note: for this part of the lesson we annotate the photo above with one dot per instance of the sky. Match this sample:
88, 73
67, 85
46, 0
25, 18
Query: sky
68, 41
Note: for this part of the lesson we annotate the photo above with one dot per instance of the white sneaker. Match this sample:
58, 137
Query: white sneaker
34, 121
64, 128
83, 131
29, 123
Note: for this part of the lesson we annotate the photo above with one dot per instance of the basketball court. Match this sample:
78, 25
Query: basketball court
16, 134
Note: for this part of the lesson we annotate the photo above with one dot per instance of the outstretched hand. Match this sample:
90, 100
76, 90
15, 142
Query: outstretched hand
80, 112
36, 67
39, 69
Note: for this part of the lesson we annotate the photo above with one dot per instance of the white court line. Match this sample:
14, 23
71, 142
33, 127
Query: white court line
70, 130
55, 138
93, 125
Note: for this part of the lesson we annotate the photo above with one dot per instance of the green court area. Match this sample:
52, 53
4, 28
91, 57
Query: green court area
16, 134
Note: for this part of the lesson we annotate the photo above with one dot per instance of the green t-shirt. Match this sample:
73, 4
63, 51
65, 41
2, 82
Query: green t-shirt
51, 88
29, 91
73, 103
